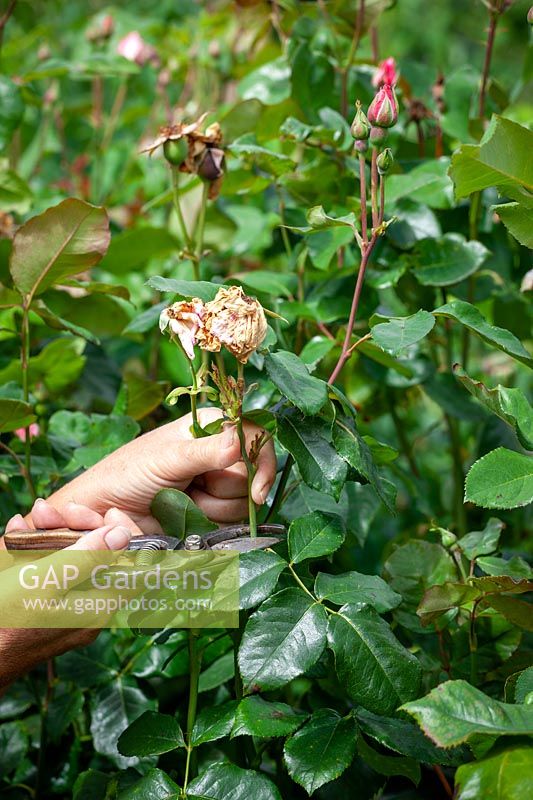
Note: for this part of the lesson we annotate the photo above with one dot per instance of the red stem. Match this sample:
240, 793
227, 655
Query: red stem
374, 186
344, 356
486, 64
362, 182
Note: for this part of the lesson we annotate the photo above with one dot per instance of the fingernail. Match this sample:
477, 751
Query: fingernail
39, 501
230, 437
117, 538
262, 493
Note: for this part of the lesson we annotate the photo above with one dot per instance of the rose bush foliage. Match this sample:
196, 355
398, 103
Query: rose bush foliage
386, 645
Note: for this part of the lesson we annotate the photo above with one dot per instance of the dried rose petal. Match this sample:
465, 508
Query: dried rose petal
184, 320
234, 321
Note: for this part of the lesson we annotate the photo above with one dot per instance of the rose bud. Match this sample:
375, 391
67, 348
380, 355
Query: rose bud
361, 145
175, 151
360, 126
530, 16
234, 321
184, 320
383, 110
378, 136
212, 165
385, 73
385, 161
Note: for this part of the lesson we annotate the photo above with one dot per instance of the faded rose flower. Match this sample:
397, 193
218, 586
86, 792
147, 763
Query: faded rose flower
184, 320
135, 49
33, 431
383, 110
234, 321
102, 30
386, 73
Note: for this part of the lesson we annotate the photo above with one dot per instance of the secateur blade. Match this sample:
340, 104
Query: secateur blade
235, 537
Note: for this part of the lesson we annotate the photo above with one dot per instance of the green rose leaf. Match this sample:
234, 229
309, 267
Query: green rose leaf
482, 543
259, 572
517, 220
448, 260
321, 750
402, 332
222, 781
291, 376
113, 708
501, 479
155, 785
60, 242
275, 164
314, 535
501, 159
389, 765
405, 737
151, 734
15, 194
455, 711
178, 515
15, 414
504, 775
202, 289
376, 670
469, 316
308, 441
282, 639
354, 587
214, 722
356, 452
511, 405
257, 717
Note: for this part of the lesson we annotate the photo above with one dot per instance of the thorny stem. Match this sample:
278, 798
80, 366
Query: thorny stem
442, 778
473, 215
356, 38
5, 18
250, 468
353, 311
24, 365
486, 64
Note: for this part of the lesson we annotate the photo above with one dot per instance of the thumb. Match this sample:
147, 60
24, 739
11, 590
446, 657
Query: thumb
218, 451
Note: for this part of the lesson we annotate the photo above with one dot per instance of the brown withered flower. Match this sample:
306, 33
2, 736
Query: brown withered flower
234, 321
203, 155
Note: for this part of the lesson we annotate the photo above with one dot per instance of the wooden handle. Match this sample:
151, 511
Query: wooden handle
40, 539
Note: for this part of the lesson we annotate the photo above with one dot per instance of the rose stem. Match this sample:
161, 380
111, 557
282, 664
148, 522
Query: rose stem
24, 365
250, 468
374, 186
362, 183
177, 205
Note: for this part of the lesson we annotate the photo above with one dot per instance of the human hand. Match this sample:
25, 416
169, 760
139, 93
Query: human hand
22, 648
210, 469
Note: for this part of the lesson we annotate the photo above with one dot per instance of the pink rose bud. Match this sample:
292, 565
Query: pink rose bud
383, 110
361, 145
386, 73
33, 431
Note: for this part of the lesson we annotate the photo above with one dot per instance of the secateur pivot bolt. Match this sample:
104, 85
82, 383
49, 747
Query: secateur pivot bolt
194, 542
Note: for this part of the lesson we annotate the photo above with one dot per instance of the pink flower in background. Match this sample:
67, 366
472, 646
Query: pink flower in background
34, 431
134, 48
386, 73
